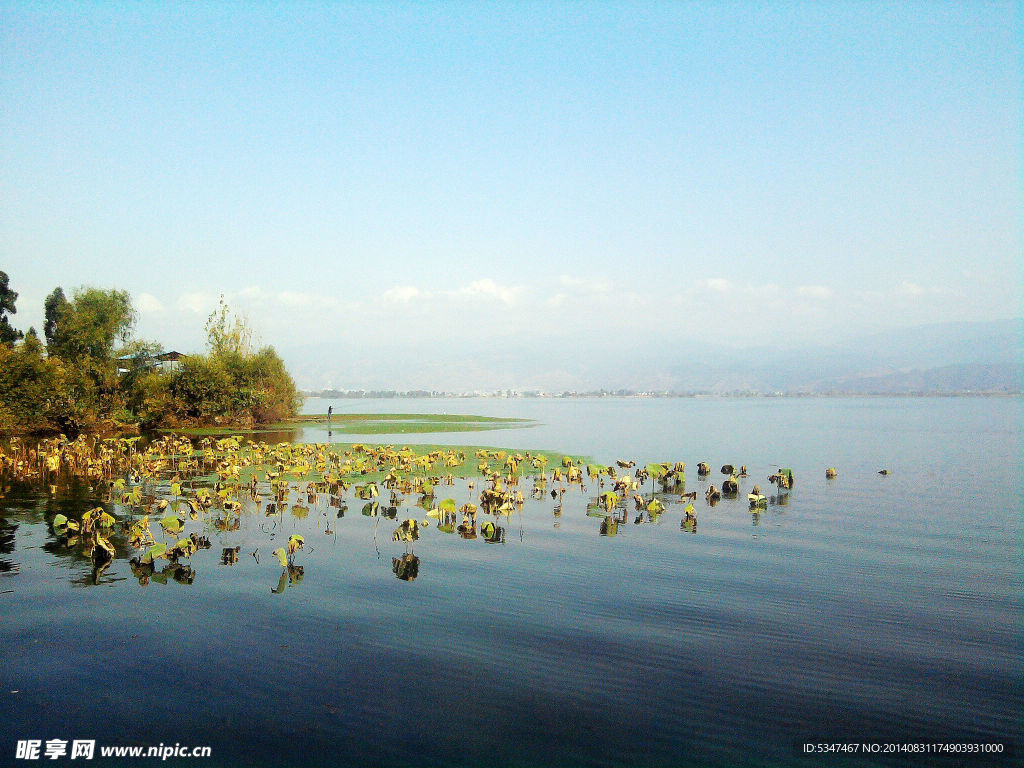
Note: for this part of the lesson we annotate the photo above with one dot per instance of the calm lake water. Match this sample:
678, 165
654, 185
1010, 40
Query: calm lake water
863, 608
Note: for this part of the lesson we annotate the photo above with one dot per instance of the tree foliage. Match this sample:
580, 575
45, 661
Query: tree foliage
79, 383
232, 383
37, 393
91, 324
231, 387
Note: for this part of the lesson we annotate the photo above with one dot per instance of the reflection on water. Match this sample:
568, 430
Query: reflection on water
7, 533
229, 555
406, 567
291, 575
177, 572
610, 525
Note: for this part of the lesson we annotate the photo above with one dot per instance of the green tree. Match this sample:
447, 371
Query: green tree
85, 334
232, 383
138, 385
235, 388
148, 397
8, 334
202, 388
55, 304
89, 326
25, 380
264, 390
37, 393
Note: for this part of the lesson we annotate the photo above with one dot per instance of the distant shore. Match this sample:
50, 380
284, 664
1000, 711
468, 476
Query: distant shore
505, 394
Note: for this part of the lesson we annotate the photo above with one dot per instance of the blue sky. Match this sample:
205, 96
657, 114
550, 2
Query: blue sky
454, 175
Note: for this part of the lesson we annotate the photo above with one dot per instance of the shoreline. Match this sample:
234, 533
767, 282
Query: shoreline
396, 395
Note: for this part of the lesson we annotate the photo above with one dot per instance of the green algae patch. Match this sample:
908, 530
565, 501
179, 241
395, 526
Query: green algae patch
375, 424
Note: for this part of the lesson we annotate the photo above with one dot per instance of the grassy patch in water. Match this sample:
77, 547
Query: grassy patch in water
430, 417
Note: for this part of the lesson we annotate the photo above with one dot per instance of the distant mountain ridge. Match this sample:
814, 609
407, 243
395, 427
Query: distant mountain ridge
946, 357
942, 358
971, 377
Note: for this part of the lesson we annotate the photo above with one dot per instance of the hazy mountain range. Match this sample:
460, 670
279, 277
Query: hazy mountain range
947, 357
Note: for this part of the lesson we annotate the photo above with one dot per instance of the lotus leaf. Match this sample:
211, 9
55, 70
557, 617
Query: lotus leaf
184, 548
171, 524
154, 552
131, 497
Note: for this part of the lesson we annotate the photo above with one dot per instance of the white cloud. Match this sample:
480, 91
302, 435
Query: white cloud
488, 289
814, 291
585, 284
478, 289
147, 303
402, 293
198, 302
578, 292
557, 300
719, 284
907, 288
295, 299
